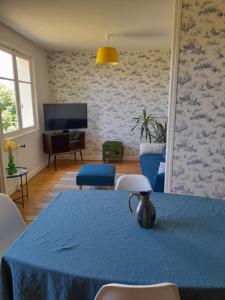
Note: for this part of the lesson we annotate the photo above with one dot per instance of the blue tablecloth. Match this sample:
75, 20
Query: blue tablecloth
86, 239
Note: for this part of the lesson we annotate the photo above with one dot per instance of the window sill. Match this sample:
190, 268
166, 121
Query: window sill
14, 135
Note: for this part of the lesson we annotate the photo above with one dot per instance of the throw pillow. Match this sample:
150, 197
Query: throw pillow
147, 148
162, 167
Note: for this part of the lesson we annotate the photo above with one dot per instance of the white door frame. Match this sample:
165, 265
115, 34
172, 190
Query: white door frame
3, 185
173, 93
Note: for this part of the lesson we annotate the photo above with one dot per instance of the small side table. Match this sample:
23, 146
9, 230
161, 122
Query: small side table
20, 172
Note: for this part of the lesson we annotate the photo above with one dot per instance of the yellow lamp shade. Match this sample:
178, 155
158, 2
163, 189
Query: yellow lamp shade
107, 55
9, 144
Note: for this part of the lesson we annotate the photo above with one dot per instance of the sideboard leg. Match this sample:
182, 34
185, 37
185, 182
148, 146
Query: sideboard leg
81, 156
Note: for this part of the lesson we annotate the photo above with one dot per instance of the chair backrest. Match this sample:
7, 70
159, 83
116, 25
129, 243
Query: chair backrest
11, 222
163, 291
133, 183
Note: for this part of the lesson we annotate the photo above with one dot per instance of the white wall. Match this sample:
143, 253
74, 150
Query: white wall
32, 156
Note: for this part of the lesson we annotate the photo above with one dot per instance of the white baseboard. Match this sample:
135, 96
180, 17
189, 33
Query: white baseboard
12, 189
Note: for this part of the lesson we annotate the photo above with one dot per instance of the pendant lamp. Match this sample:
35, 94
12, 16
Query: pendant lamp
107, 55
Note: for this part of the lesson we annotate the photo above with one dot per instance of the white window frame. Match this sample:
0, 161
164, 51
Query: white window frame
21, 131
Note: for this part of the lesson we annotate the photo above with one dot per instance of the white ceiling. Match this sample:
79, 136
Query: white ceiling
83, 24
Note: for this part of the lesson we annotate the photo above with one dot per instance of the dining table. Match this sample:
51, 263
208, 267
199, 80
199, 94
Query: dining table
85, 239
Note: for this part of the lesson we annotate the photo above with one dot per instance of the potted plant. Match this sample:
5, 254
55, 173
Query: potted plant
161, 131
151, 128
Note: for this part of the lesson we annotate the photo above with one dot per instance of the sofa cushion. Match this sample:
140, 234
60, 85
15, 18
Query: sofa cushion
150, 166
159, 183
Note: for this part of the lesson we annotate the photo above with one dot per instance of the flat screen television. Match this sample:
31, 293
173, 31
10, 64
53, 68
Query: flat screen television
65, 116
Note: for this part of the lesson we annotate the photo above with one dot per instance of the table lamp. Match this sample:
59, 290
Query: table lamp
9, 146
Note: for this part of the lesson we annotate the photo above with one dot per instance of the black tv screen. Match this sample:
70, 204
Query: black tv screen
59, 116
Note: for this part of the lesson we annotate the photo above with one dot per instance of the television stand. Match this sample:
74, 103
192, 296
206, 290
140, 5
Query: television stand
63, 142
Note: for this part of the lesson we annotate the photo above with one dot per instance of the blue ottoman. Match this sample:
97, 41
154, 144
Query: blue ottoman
96, 175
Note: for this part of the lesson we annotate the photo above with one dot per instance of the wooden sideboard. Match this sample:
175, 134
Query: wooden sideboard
63, 142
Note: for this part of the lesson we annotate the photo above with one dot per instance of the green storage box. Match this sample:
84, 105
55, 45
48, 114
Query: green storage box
113, 150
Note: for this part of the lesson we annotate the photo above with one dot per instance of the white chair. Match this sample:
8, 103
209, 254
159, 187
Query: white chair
133, 183
162, 291
11, 222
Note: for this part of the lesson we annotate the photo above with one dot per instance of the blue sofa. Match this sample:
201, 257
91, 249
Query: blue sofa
150, 166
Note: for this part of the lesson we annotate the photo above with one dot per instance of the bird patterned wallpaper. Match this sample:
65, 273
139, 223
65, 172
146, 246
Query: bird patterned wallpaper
114, 94
199, 145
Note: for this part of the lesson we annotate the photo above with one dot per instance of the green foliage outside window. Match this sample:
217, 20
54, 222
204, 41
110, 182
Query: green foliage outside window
8, 109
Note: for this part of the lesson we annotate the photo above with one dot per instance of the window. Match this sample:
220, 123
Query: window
16, 93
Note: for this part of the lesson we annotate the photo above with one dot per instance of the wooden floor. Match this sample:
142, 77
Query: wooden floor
43, 182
